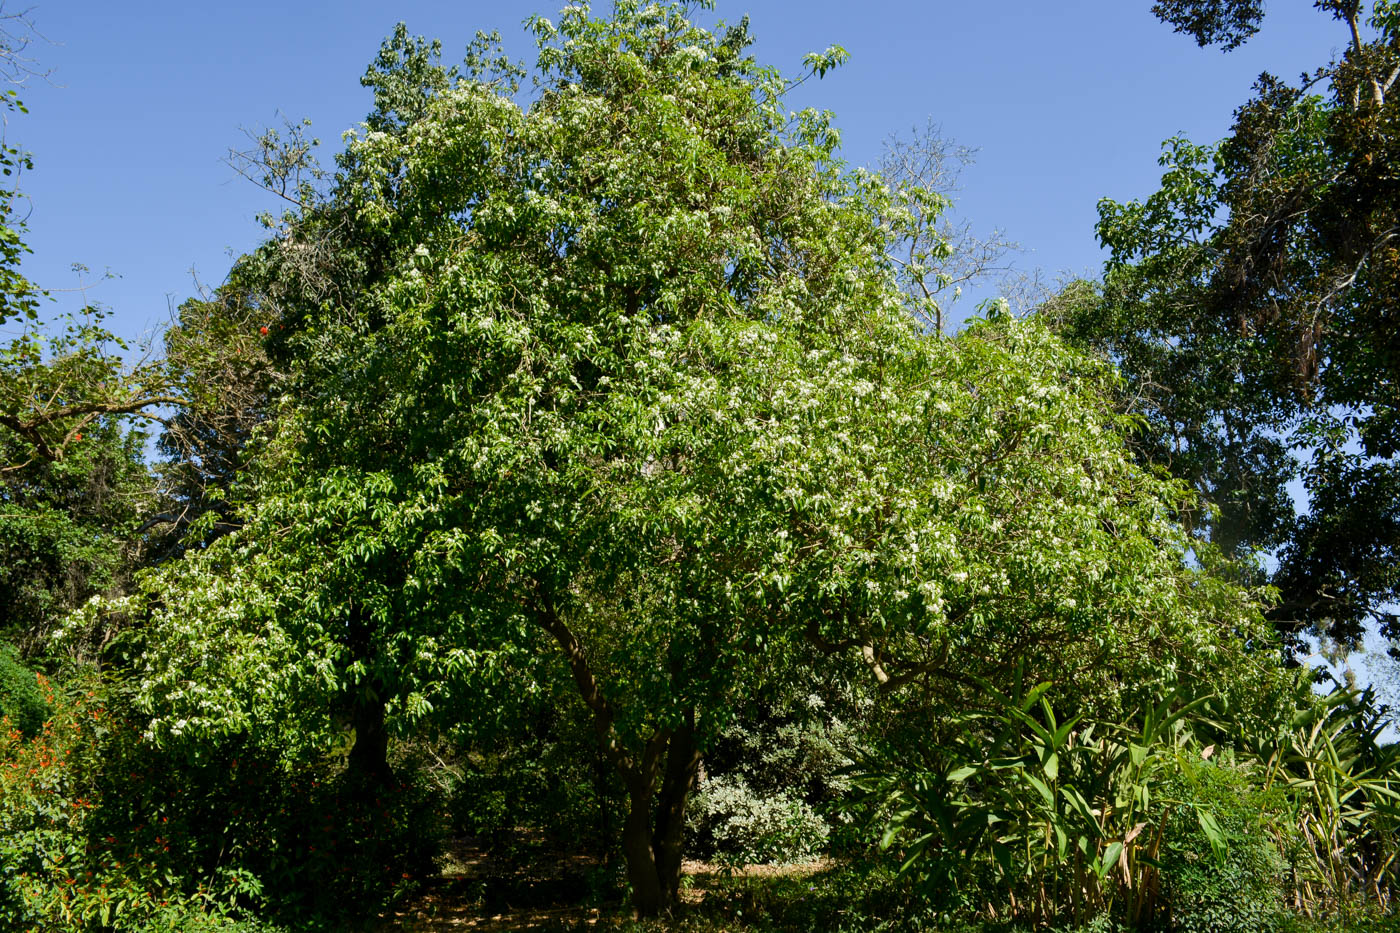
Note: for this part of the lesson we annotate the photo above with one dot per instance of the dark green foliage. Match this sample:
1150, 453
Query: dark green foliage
217, 348
68, 529
1193, 813
1250, 304
22, 702
1237, 887
1036, 815
98, 827
297, 840
542, 775
1227, 23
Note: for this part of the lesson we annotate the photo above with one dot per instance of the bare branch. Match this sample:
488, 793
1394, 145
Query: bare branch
281, 162
937, 256
17, 33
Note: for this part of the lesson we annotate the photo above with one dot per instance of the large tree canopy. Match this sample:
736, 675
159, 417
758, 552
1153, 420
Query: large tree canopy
623, 376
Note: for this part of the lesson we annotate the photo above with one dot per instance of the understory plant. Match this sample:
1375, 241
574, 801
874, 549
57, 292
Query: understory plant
738, 825
23, 705
58, 869
774, 780
1327, 758
101, 829
1182, 813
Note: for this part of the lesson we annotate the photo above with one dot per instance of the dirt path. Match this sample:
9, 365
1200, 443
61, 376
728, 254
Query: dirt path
542, 890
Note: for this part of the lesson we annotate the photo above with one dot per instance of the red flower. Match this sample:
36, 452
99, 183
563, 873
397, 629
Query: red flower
263, 330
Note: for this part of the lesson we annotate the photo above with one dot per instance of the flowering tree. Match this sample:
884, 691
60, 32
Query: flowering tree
624, 377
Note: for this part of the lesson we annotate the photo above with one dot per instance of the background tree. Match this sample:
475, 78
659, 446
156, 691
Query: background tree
1228, 23
215, 351
935, 257
73, 484
1251, 304
69, 531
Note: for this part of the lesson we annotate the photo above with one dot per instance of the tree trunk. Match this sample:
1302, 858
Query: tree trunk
682, 763
369, 756
653, 845
368, 765
647, 895
653, 853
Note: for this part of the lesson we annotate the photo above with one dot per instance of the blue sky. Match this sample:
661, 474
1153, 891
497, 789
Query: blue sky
1067, 102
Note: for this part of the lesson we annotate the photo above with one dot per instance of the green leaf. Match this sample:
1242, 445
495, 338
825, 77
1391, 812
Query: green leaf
1110, 858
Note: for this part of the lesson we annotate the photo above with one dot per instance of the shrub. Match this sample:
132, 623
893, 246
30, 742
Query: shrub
102, 830
777, 775
22, 701
237, 822
732, 821
1237, 885
56, 871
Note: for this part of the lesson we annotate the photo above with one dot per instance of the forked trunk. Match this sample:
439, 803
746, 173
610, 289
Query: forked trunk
682, 763
652, 843
652, 848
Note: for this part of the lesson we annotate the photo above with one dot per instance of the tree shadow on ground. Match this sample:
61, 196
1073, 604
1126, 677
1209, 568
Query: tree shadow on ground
527, 883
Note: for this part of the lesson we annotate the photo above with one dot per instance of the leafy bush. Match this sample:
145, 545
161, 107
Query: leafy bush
66, 529
22, 699
777, 773
1065, 819
1187, 813
56, 870
1235, 885
102, 830
732, 821
1340, 781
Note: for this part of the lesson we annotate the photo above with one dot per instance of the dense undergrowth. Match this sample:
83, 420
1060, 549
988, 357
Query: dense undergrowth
100, 829
1179, 818
869, 895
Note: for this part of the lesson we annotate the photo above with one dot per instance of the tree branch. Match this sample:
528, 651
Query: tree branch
1377, 93
29, 429
589, 689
